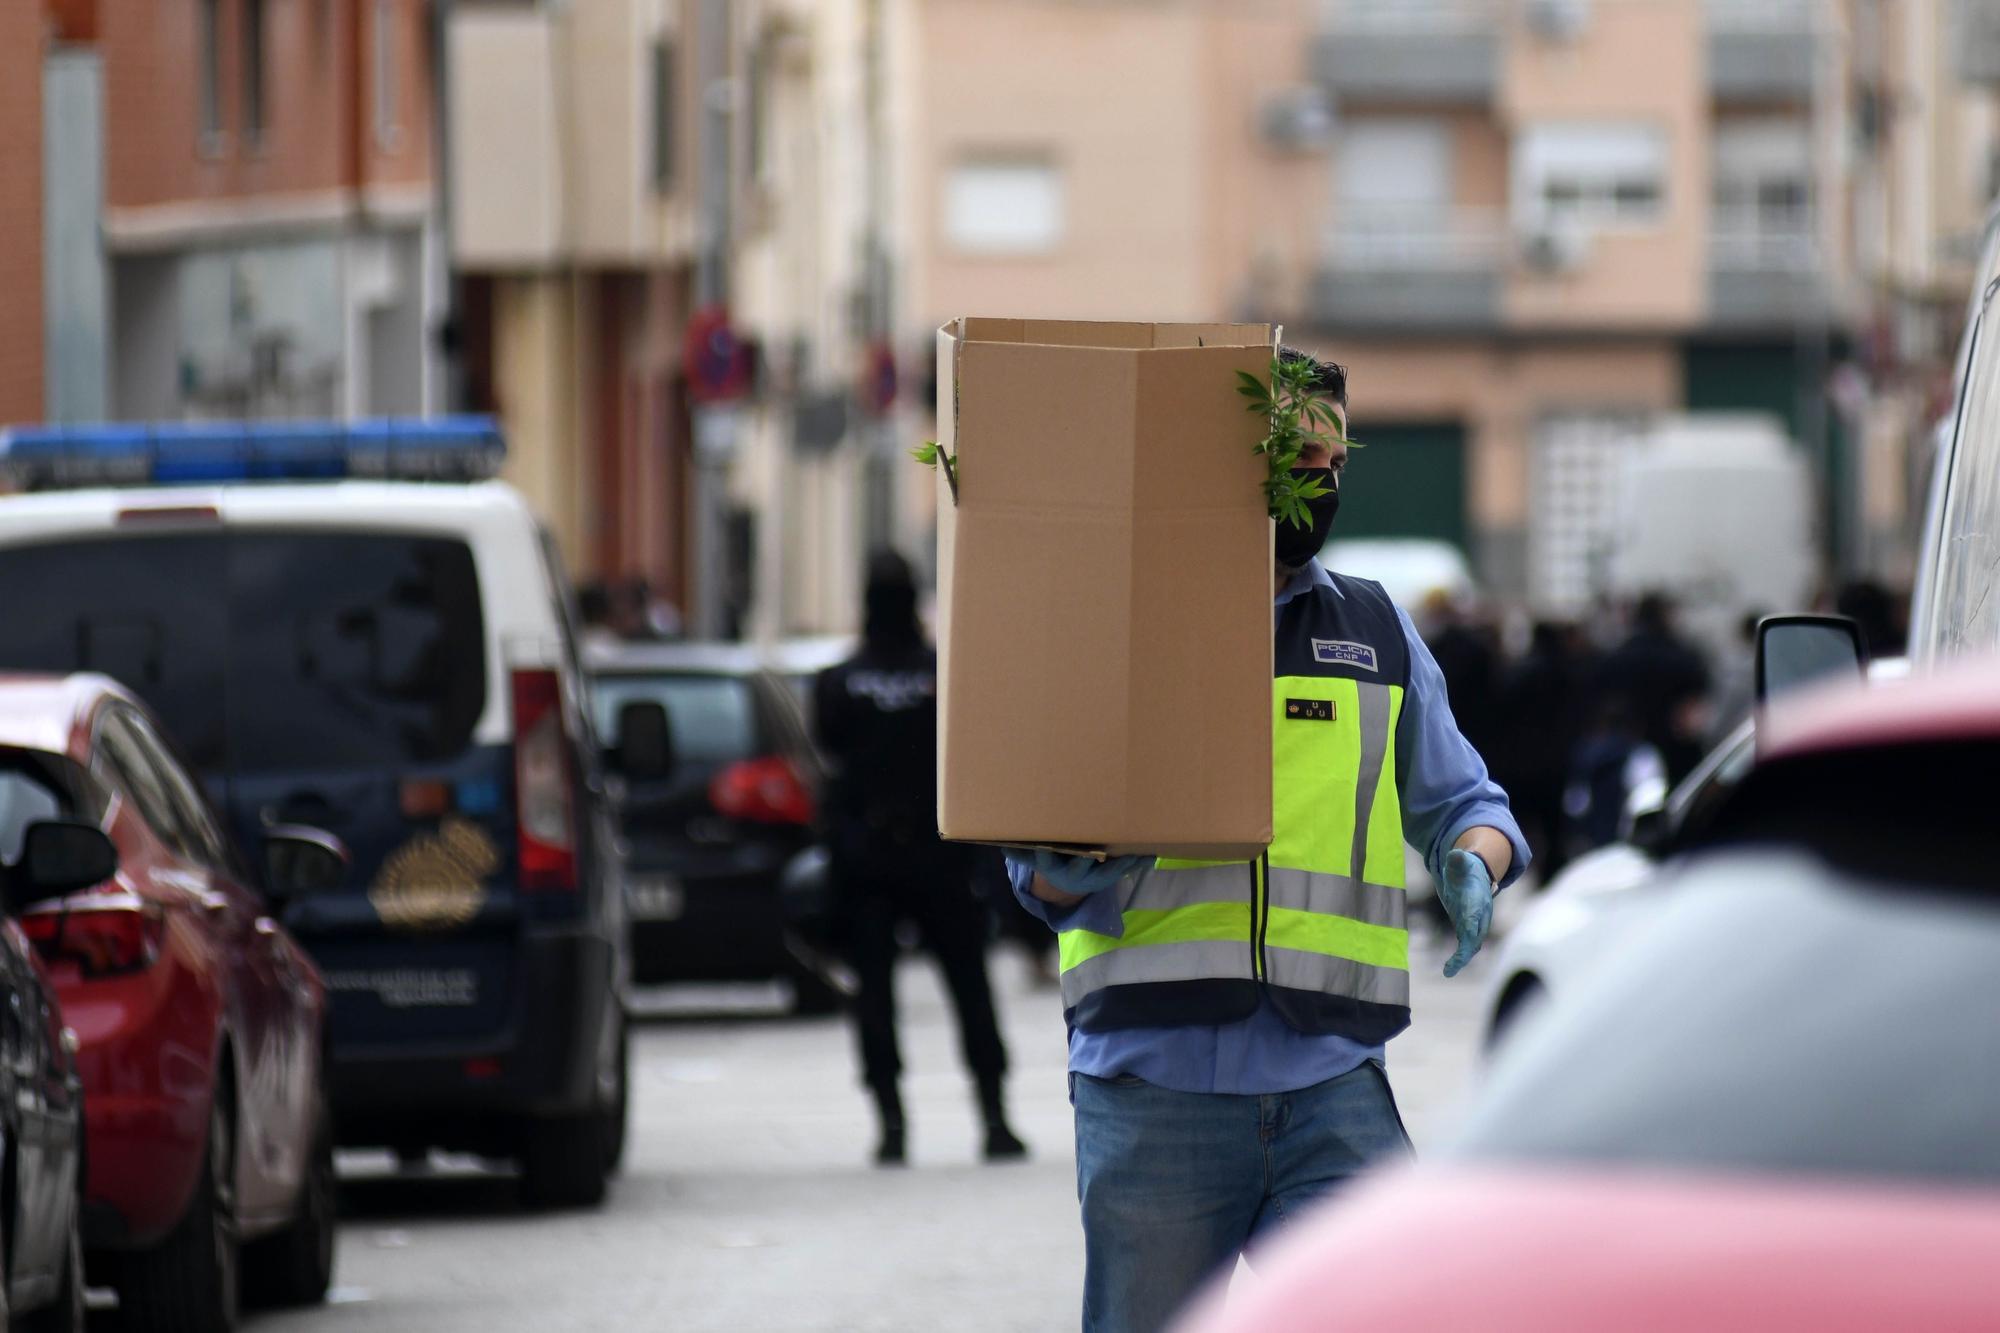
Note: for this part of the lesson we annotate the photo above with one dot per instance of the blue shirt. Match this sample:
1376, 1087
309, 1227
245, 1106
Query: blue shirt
1445, 791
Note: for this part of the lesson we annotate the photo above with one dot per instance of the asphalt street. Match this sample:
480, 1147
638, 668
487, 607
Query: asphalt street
748, 1201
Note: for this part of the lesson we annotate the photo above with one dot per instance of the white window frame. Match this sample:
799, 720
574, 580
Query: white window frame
973, 199
1600, 157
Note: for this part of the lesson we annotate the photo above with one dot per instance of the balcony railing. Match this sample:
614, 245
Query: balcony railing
1412, 267
1765, 272
1410, 50
1760, 50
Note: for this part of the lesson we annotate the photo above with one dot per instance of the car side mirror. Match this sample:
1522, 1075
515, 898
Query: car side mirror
299, 860
645, 749
59, 856
1643, 822
1797, 651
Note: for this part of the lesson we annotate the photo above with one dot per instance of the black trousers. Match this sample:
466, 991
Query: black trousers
926, 883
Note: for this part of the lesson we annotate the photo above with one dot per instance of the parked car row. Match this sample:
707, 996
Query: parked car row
1746, 1069
342, 650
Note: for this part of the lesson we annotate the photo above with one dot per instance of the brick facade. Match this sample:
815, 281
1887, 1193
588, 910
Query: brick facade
21, 47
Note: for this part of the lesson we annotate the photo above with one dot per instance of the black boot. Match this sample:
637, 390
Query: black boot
889, 1112
1001, 1145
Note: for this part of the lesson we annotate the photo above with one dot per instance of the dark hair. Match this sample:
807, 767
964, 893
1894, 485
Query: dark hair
1329, 377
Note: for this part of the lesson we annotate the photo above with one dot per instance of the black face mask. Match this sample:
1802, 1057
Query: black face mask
1296, 545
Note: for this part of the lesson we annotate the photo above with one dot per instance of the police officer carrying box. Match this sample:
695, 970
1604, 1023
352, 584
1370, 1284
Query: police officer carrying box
876, 715
1228, 1022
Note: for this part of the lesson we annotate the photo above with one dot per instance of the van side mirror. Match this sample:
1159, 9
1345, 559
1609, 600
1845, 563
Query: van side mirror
1797, 651
59, 856
299, 860
645, 749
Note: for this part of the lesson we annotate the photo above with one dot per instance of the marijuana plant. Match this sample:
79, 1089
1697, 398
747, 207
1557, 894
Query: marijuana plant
1297, 417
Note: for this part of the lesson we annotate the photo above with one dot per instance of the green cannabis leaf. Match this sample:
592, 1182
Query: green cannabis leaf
931, 454
1298, 417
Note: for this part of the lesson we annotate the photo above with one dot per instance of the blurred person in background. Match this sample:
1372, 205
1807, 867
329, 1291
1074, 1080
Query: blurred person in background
1660, 684
593, 608
1882, 615
1228, 1023
876, 719
1736, 681
1542, 705
1612, 759
1466, 652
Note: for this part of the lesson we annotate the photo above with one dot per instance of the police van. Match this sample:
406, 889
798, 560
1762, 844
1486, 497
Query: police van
352, 627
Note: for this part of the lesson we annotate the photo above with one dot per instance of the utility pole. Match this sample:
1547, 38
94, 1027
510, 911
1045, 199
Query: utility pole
716, 425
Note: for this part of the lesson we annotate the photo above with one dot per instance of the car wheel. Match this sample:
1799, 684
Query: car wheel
188, 1282
564, 1160
1521, 995
65, 1314
617, 1114
295, 1266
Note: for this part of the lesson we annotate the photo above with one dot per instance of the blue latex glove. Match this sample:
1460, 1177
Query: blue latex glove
1467, 895
1083, 874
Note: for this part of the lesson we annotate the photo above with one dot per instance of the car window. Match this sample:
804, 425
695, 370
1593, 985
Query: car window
1694, 803
352, 650
1774, 1014
330, 649
713, 717
28, 795
1963, 612
191, 811
126, 765
122, 606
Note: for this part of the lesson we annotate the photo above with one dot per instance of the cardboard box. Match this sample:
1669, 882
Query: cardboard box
1104, 588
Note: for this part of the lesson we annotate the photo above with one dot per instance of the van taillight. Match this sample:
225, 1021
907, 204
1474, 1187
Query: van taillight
764, 791
544, 791
104, 938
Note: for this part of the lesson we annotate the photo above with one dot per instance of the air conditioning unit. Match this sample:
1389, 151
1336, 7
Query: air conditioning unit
1558, 20
1554, 248
1300, 120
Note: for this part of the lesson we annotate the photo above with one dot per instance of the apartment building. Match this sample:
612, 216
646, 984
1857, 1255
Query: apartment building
1523, 224
573, 149
267, 207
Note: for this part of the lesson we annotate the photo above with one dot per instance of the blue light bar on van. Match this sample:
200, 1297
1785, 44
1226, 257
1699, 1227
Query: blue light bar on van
461, 448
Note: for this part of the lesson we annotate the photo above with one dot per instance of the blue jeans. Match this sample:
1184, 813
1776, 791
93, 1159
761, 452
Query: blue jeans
1175, 1184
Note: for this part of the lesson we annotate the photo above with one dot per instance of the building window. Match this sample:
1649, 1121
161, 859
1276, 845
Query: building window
665, 122
1590, 175
208, 36
253, 69
387, 78
1004, 206
1763, 194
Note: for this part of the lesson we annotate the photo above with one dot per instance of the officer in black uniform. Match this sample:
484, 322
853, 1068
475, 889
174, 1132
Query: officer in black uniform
877, 719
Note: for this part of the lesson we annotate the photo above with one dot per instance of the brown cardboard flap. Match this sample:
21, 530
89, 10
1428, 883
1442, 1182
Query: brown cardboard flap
1104, 590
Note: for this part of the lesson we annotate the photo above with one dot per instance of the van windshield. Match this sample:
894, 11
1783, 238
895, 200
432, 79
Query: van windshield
265, 651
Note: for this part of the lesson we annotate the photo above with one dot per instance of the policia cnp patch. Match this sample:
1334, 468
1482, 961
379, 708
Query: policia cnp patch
1309, 710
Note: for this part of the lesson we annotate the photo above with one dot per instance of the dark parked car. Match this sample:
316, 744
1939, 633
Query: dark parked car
42, 856
716, 803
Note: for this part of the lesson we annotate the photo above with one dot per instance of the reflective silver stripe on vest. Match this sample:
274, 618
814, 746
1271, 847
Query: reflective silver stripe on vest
1163, 890
1374, 700
1296, 970
1338, 895
1185, 960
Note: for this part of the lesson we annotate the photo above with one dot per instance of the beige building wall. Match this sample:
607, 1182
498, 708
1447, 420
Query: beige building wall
1637, 61
1027, 81
505, 167
541, 354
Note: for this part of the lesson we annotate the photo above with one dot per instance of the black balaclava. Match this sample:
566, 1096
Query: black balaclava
1296, 545
889, 617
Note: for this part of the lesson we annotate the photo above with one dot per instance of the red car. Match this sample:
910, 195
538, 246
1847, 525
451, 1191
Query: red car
1773, 1107
200, 1026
